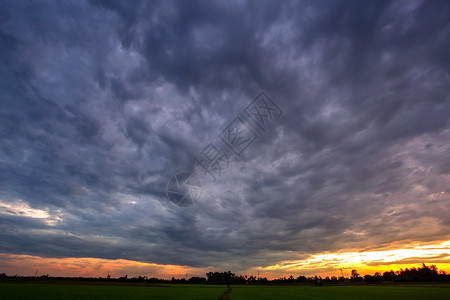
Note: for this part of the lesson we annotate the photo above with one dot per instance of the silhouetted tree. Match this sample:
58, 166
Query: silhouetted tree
220, 276
197, 280
355, 276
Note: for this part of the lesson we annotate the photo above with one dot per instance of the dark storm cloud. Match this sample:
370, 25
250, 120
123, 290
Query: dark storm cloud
103, 101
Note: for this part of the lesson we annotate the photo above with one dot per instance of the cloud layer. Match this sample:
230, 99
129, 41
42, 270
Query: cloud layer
103, 101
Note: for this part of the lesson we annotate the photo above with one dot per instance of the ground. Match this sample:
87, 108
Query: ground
186, 292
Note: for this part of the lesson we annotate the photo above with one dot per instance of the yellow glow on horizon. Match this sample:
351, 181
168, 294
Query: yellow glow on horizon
324, 264
371, 261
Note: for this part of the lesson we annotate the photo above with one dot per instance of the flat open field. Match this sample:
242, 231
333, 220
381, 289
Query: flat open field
75, 291
342, 292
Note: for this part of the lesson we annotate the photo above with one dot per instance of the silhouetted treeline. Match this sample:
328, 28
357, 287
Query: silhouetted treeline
421, 274
125, 278
228, 277
424, 273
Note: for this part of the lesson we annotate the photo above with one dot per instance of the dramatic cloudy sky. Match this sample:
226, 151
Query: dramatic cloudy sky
103, 101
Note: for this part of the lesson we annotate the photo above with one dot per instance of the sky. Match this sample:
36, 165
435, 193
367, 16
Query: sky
103, 102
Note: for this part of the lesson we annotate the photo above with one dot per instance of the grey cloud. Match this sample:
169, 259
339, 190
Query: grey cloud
103, 101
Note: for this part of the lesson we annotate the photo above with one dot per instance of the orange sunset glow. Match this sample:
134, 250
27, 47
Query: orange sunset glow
330, 264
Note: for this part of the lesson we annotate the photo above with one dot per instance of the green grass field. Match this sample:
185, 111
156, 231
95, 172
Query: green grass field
341, 292
91, 291
72, 291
